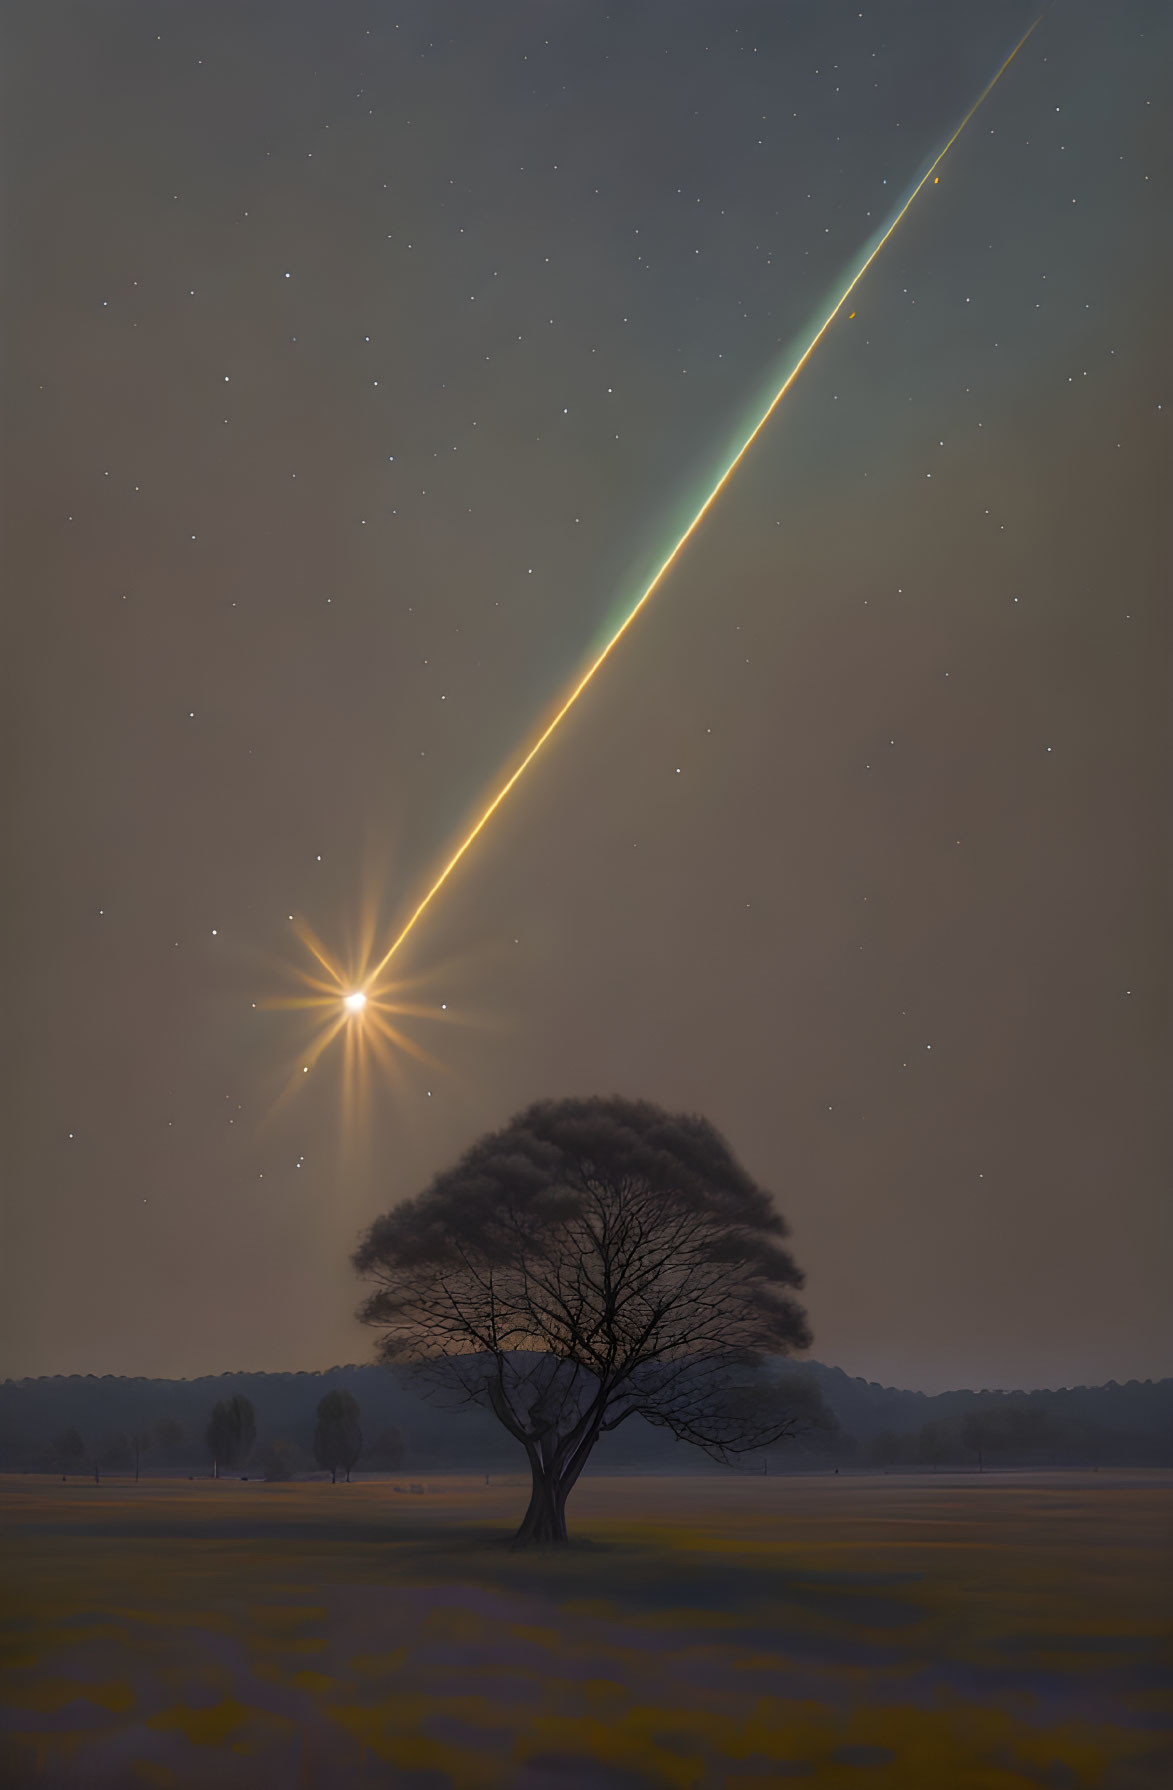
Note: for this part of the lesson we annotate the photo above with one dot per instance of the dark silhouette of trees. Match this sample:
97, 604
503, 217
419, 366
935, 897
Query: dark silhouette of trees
1120, 1426
231, 1432
338, 1434
70, 1451
1008, 1429
594, 1260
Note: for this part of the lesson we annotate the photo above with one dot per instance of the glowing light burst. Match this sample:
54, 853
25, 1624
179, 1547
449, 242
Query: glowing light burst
336, 999
365, 1011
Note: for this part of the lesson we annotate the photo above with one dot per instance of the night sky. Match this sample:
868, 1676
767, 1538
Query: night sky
363, 361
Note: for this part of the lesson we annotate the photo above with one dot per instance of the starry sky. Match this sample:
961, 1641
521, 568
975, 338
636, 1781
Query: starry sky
363, 360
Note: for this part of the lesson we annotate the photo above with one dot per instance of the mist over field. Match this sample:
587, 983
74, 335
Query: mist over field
878, 1426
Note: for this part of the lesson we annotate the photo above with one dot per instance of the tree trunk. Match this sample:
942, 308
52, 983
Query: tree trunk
544, 1522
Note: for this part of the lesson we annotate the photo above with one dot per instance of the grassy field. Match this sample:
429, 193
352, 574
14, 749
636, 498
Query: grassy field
923, 1633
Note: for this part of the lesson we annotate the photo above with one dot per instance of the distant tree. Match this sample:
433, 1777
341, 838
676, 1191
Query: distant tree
231, 1432
387, 1452
338, 1435
70, 1451
593, 1261
218, 1436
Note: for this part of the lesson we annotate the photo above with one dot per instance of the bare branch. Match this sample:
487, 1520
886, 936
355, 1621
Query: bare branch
592, 1261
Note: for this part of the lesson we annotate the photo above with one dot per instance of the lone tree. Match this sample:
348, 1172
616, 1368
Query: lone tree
593, 1261
338, 1435
231, 1432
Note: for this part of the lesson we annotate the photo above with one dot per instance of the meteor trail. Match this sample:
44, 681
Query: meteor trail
872, 251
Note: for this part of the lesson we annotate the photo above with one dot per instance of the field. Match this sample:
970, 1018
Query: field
937, 1632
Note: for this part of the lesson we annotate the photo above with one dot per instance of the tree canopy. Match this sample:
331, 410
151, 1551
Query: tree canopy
338, 1433
593, 1260
231, 1432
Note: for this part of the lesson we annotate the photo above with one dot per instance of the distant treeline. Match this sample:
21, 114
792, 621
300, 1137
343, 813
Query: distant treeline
163, 1426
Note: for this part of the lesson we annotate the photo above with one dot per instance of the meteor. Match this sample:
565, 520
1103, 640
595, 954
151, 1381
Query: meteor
871, 250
